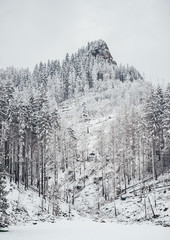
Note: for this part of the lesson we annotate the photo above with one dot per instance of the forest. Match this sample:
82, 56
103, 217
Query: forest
82, 122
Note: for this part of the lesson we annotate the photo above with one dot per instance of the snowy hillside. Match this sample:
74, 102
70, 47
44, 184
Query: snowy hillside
84, 138
28, 207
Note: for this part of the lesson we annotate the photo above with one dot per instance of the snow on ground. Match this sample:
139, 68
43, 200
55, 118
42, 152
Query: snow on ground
85, 230
86, 201
27, 206
132, 209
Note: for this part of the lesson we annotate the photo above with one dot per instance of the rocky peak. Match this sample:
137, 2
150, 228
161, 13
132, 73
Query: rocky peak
100, 48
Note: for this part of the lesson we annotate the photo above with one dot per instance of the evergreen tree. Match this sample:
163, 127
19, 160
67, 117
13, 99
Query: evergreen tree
166, 129
3, 200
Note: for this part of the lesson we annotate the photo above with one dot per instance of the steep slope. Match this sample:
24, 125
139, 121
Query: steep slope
92, 171
81, 133
29, 207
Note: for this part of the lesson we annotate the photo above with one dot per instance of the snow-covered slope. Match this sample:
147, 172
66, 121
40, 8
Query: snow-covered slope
89, 137
131, 207
88, 198
28, 207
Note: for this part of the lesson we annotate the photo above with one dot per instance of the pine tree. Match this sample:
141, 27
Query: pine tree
166, 128
3, 200
152, 129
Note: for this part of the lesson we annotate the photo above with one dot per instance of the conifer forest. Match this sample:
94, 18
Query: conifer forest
86, 136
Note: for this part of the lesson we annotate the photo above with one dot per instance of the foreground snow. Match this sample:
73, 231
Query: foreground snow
64, 230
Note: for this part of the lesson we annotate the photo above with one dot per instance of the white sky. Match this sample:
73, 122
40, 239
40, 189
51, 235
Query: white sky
137, 32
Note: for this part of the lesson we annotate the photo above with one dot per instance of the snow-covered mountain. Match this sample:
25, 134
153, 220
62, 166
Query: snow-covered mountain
88, 137
76, 74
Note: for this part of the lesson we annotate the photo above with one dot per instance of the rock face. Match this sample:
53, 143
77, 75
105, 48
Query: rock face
100, 48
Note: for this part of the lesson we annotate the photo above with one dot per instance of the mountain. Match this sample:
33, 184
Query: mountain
76, 74
87, 136
83, 70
